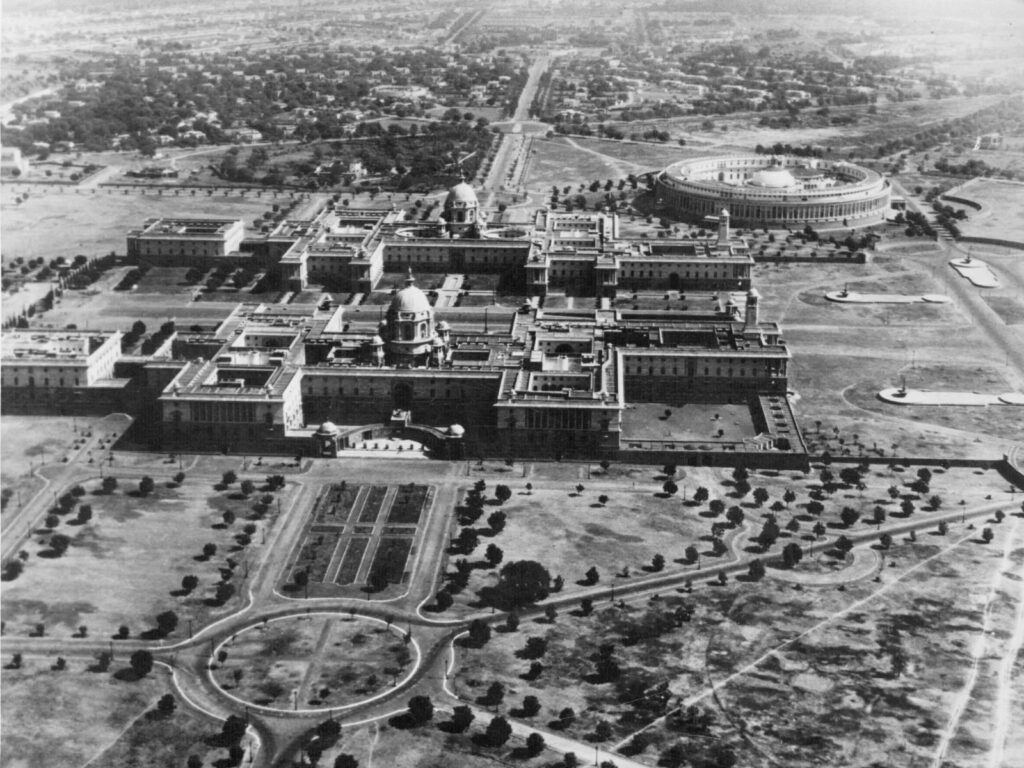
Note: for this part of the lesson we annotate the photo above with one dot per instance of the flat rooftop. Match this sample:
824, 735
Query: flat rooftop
39, 345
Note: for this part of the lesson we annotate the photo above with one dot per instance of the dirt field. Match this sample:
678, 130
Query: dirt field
112, 574
803, 674
843, 354
384, 744
43, 709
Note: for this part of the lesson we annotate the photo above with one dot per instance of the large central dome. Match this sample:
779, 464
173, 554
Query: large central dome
773, 177
461, 194
410, 299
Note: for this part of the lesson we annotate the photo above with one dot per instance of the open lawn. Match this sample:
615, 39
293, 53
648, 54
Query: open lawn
30, 441
330, 661
1002, 215
95, 224
126, 564
568, 532
864, 676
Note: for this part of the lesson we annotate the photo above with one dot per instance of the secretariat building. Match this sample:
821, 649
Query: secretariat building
660, 355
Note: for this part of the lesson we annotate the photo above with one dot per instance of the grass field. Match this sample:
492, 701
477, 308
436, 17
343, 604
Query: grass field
96, 224
330, 661
1003, 215
113, 574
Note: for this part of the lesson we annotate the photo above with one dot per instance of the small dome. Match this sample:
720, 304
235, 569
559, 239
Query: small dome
328, 428
461, 194
773, 177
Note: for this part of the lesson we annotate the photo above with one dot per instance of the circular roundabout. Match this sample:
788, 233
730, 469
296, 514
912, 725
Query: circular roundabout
304, 663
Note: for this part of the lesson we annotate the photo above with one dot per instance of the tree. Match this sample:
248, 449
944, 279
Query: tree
512, 621
166, 622
534, 744
602, 731
843, 544
493, 554
59, 543
550, 613
51, 521
670, 487
141, 663
756, 570
657, 563
531, 706
789, 496
228, 517
495, 693
209, 550
535, 647
580, 489
602, 499
166, 705
233, 729
815, 507
986, 534
769, 533
701, 495
146, 485
566, 717
849, 516
522, 582
935, 501
943, 528
345, 760
421, 710
592, 576
907, 507
586, 606
498, 731
723, 578
502, 493
225, 590
462, 717
84, 513
735, 515
467, 540
742, 488
247, 487
760, 495
717, 507
479, 633
496, 521
692, 554
194, 761
792, 554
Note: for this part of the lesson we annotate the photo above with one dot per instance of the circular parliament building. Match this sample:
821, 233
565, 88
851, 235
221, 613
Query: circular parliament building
765, 190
